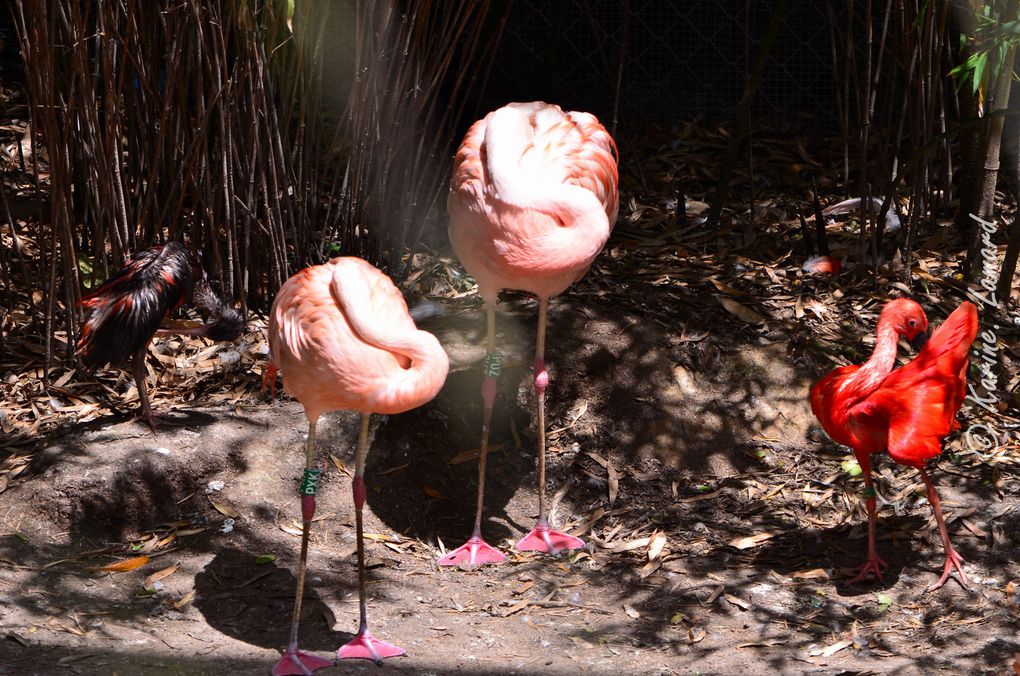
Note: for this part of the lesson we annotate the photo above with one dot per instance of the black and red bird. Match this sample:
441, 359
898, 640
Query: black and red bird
127, 309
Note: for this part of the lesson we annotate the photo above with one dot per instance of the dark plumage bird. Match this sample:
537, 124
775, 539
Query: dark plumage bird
127, 309
818, 262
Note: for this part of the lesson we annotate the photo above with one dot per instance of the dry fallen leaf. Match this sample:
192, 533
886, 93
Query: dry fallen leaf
741, 312
473, 454
626, 546
614, 483
381, 537
225, 509
762, 644
292, 530
728, 290
122, 566
184, 600
714, 595
658, 541
813, 574
749, 541
832, 649
632, 613
160, 575
737, 601
340, 464
433, 493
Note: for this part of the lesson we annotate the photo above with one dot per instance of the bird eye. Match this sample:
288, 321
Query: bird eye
912, 323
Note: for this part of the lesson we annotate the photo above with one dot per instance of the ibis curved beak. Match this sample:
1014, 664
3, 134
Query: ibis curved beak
919, 341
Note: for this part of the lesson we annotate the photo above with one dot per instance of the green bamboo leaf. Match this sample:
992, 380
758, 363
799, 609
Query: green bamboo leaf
979, 71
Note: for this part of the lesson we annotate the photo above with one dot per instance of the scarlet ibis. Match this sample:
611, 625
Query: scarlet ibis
532, 202
342, 337
907, 411
126, 310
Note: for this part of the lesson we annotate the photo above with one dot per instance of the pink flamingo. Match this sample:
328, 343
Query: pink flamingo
342, 337
532, 202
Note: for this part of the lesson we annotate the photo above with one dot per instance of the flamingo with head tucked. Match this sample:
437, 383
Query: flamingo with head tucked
342, 337
532, 202
906, 411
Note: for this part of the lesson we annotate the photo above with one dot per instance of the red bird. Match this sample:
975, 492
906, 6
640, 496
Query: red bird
126, 310
906, 411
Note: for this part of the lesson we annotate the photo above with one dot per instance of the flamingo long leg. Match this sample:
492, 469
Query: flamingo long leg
294, 661
874, 564
364, 645
542, 537
953, 559
476, 551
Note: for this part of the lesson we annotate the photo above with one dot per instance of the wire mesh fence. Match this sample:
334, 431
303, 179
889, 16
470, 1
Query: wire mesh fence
663, 59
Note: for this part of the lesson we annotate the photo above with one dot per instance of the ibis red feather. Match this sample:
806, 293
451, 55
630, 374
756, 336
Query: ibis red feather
906, 411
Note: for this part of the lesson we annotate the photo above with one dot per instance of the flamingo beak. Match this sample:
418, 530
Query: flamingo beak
919, 341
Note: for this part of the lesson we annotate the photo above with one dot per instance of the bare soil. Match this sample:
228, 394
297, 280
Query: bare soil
722, 527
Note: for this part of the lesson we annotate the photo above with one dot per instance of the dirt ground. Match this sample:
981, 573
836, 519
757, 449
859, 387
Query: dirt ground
721, 526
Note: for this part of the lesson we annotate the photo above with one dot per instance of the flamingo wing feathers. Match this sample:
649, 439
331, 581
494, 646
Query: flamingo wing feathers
533, 198
573, 148
341, 335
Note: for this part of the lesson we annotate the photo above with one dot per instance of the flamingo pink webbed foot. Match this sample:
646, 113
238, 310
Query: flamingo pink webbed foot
474, 552
298, 663
873, 565
542, 538
364, 646
953, 560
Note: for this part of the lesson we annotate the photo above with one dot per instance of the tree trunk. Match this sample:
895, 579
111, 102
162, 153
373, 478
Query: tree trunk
971, 123
999, 103
1011, 159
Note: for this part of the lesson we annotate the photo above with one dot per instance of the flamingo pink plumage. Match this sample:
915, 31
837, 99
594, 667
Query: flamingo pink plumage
906, 411
532, 202
341, 335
